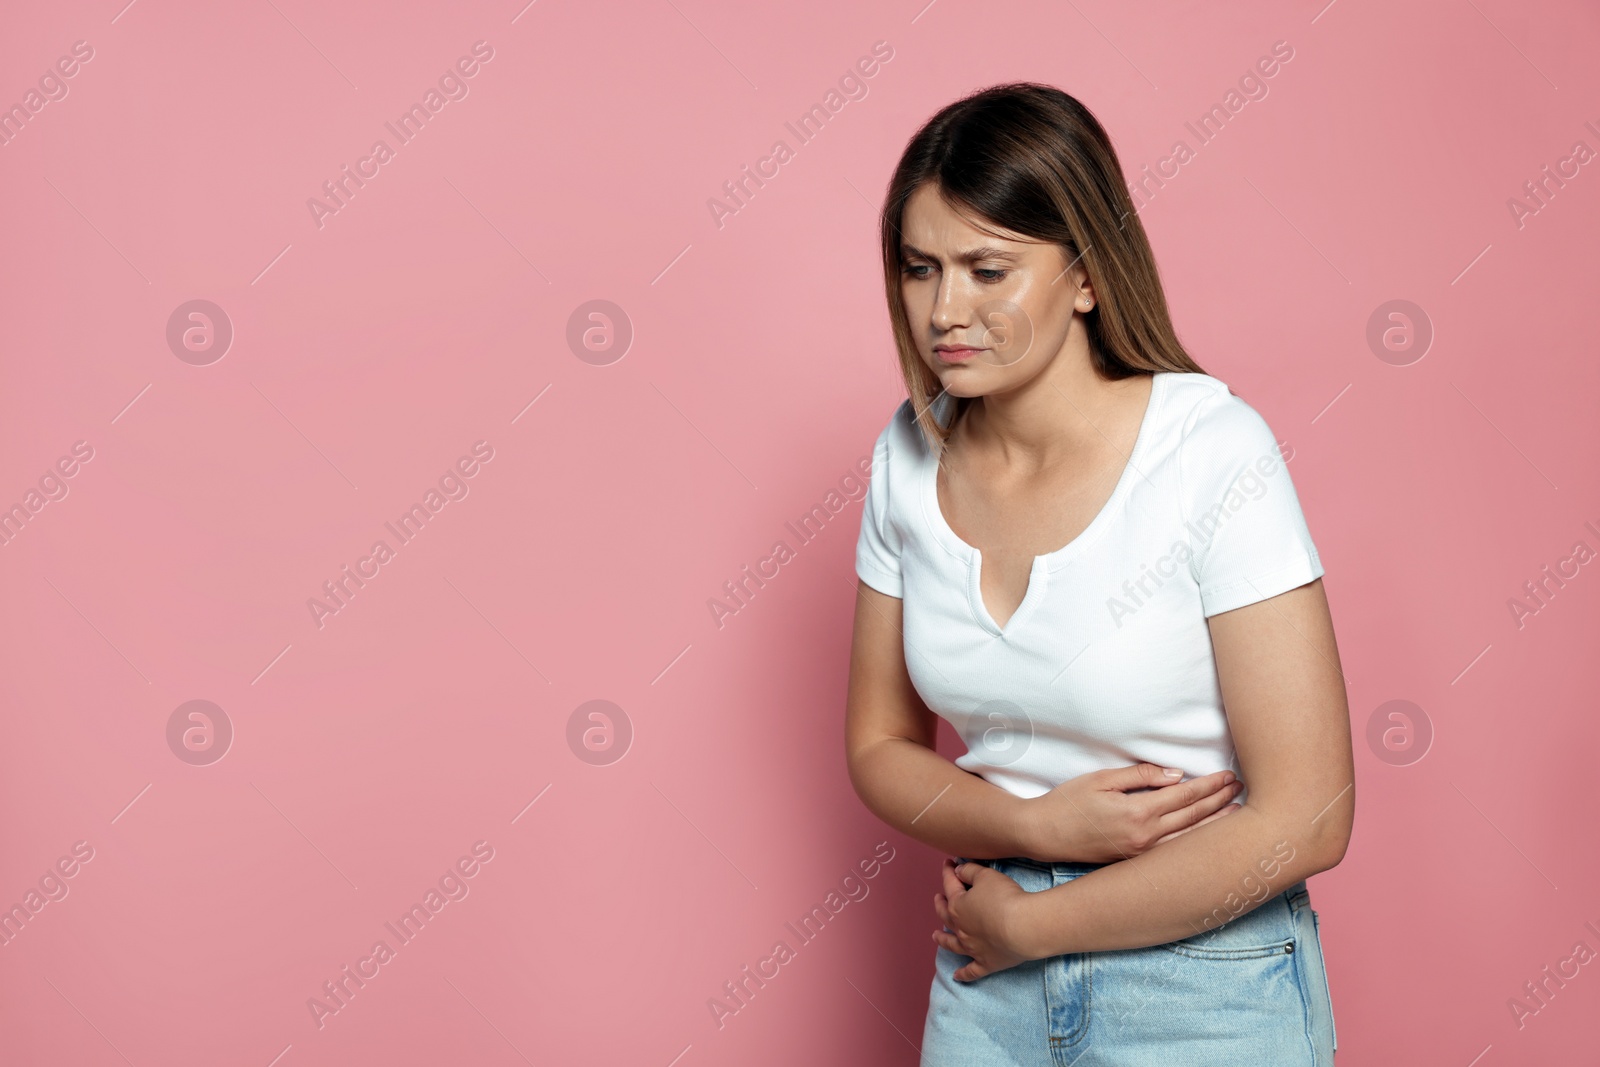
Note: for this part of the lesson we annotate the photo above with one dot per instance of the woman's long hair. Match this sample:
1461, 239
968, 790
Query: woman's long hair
1034, 160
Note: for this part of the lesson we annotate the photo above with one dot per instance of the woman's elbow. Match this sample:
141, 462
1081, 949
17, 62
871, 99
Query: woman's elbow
861, 764
1315, 841
1331, 835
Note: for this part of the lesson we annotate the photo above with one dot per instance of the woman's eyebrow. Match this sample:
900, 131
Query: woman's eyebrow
969, 256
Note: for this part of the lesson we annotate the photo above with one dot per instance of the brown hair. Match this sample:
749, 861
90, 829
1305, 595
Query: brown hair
1034, 160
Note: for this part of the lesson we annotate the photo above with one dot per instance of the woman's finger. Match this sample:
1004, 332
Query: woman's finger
1192, 813
1175, 798
968, 873
1138, 776
953, 886
1227, 810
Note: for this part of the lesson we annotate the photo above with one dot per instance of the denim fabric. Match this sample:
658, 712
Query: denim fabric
1251, 991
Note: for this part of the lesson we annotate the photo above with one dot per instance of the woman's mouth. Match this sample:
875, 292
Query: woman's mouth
955, 353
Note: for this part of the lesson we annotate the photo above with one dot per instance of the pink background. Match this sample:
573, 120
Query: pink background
427, 314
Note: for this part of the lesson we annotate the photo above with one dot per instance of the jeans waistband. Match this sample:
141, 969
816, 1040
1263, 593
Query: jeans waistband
1051, 866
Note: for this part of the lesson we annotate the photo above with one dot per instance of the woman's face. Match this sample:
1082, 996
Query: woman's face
987, 314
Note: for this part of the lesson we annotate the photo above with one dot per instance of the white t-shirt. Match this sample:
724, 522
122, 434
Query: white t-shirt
1108, 660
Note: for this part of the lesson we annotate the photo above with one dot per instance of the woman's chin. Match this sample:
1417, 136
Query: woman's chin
961, 379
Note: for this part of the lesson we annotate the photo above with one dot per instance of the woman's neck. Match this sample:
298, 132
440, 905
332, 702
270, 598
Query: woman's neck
1052, 419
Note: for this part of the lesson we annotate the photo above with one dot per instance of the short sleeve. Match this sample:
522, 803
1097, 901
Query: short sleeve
878, 546
1248, 538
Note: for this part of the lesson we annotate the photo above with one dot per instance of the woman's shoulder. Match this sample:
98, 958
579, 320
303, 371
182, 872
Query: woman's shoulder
1218, 435
1187, 391
1206, 409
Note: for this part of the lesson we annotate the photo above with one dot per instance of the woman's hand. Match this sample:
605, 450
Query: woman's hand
979, 921
1094, 818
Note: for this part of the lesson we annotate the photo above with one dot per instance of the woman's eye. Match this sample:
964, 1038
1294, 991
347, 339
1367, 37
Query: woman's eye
989, 275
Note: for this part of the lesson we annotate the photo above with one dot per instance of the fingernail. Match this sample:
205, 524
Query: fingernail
1172, 773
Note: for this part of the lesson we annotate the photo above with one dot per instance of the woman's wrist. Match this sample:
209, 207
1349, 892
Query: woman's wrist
1040, 835
1025, 830
1029, 922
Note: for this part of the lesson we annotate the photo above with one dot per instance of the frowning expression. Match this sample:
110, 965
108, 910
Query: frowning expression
988, 312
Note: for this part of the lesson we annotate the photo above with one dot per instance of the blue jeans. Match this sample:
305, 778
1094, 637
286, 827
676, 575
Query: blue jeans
1249, 991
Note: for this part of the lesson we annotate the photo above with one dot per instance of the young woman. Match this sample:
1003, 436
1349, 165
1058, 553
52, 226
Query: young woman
1087, 556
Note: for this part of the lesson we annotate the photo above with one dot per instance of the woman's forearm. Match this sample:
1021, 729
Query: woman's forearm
1193, 883
923, 795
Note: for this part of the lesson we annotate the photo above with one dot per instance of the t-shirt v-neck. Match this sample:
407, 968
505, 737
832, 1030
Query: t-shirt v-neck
1107, 660
1043, 565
